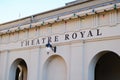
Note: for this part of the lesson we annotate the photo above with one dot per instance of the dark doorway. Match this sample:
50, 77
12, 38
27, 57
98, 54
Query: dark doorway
17, 73
18, 70
108, 67
21, 71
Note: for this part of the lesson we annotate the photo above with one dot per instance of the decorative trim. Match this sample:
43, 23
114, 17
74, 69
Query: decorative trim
65, 17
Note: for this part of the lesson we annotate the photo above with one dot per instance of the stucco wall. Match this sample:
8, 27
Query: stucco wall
76, 56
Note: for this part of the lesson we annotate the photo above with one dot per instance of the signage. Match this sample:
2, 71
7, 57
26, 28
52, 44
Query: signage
79, 35
101, 33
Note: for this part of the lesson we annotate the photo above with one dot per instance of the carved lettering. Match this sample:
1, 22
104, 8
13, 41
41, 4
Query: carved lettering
32, 42
82, 34
50, 39
98, 32
90, 34
27, 43
56, 38
74, 35
66, 36
43, 40
38, 41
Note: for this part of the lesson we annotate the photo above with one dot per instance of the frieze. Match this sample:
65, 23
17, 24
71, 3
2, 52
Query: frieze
79, 35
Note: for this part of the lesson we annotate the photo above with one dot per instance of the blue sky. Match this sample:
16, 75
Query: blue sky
15, 9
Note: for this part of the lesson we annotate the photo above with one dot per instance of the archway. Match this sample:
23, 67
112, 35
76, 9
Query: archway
107, 67
18, 70
55, 69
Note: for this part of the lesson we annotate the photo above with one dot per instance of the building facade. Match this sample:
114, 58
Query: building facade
83, 39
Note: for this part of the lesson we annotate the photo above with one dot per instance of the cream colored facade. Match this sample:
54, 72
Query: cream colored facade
86, 35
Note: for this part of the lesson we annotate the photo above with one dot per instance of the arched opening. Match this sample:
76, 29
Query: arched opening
17, 73
55, 69
107, 67
18, 70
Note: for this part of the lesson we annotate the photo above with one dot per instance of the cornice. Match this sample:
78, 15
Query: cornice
72, 15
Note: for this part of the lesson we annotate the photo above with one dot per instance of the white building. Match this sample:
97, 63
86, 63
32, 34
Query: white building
84, 37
